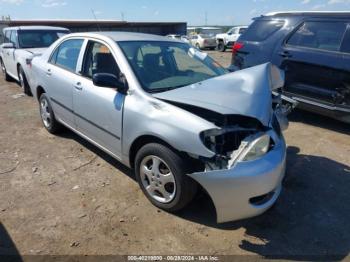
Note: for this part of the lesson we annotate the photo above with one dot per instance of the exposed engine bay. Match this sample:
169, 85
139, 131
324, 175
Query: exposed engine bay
235, 133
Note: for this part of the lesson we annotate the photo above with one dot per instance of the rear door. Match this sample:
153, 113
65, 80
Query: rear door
61, 75
313, 62
10, 63
4, 52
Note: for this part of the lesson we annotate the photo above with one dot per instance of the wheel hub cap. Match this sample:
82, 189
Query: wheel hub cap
45, 113
21, 82
157, 179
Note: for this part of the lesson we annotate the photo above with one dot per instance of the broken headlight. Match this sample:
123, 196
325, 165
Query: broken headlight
257, 148
251, 148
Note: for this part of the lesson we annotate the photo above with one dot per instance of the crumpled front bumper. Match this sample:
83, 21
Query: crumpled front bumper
233, 190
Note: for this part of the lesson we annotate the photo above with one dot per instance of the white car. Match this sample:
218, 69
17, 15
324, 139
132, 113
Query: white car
183, 38
228, 39
202, 41
20, 45
172, 36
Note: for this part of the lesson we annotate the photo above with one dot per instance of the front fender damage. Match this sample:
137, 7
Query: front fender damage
241, 189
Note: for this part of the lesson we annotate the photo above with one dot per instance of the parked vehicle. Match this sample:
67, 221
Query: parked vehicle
314, 50
179, 37
204, 30
228, 39
203, 41
184, 38
173, 114
20, 45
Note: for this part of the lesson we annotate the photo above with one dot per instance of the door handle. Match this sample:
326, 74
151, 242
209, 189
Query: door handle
285, 54
78, 86
48, 72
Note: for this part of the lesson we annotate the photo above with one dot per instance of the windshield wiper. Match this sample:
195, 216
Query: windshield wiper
164, 89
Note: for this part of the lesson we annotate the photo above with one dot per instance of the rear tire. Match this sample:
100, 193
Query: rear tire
23, 81
221, 46
48, 116
4, 72
162, 176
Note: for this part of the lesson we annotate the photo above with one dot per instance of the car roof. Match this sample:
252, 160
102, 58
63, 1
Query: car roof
36, 28
123, 36
308, 13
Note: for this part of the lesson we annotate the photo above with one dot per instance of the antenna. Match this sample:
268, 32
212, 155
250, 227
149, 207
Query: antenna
94, 15
123, 16
206, 18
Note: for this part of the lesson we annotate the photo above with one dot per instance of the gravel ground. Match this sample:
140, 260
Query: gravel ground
60, 195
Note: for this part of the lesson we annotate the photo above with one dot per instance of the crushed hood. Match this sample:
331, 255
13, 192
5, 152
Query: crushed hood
246, 92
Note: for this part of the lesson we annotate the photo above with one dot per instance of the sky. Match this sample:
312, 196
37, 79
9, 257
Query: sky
194, 12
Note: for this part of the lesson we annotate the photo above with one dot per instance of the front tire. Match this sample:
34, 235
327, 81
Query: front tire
23, 81
162, 176
4, 72
198, 46
48, 116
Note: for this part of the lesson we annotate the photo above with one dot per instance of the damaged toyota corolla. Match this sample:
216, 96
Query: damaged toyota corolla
173, 114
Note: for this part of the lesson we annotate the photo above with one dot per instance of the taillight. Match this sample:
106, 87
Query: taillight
237, 47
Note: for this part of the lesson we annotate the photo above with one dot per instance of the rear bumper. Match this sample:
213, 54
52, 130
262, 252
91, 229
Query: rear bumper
249, 188
208, 45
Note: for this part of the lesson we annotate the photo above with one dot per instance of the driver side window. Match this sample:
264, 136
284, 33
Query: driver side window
7, 36
13, 38
99, 59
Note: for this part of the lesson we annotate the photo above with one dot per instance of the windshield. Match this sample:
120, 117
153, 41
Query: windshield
162, 66
38, 38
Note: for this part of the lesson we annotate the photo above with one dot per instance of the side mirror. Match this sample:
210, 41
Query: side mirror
8, 46
229, 33
111, 81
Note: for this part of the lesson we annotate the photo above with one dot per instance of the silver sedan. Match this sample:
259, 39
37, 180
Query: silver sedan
171, 113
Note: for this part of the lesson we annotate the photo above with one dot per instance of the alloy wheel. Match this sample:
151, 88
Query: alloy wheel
21, 80
157, 179
3, 69
45, 113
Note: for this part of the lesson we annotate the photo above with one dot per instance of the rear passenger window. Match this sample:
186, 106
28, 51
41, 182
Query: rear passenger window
260, 30
242, 30
67, 54
319, 35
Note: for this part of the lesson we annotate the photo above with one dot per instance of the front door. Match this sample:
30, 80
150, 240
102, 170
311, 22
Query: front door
313, 62
99, 110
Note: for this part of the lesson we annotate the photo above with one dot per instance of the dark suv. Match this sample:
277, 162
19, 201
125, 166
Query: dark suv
313, 48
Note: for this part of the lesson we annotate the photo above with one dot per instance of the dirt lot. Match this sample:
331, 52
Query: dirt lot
61, 195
